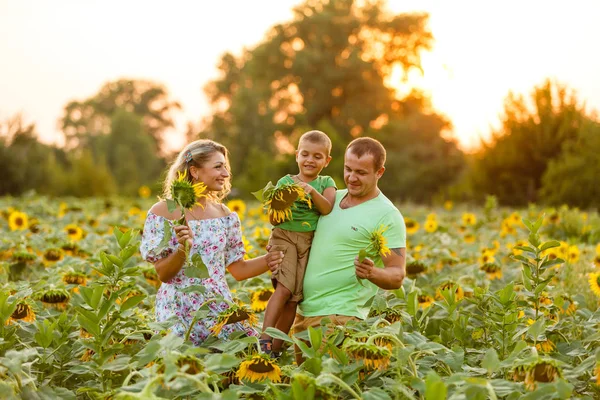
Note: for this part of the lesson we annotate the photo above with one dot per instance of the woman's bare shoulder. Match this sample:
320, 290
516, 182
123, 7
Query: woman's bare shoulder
162, 210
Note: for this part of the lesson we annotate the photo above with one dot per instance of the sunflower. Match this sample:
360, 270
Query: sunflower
378, 242
448, 205
492, 270
597, 261
18, 221
237, 206
469, 219
260, 298
23, 312
258, 368
56, 298
235, 313
412, 226
185, 193
135, 210
545, 346
70, 249
279, 200
415, 268
571, 309
431, 225
486, 258
595, 283
144, 192
541, 370
52, 256
74, 232
74, 278
554, 218
450, 285
373, 356
469, 238
424, 300
573, 254
23, 257
598, 250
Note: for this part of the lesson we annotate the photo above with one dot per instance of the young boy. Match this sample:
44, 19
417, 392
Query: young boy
294, 237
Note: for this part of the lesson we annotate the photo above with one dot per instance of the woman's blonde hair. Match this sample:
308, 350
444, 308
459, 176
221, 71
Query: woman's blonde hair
196, 154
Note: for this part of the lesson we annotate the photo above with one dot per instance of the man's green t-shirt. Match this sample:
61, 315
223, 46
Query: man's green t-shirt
330, 283
305, 219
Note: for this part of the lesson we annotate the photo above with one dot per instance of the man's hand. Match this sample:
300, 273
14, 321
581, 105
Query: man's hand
274, 259
364, 269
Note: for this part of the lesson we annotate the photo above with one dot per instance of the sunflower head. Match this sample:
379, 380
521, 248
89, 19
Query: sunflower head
56, 298
452, 286
237, 206
235, 313
378, 242
260, 298
23, 312
185, 193
280, 199
412, 226
74, 232
594, 280
74, 278
52, 256
373, 356
492, 270
258, 368
144, 192
18, 221
540, 370
415, 268
424, 300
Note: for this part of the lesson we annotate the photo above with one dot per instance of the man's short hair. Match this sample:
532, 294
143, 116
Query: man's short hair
316, 137
367, 145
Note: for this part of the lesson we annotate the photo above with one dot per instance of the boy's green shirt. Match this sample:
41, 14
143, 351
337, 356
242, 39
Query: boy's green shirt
305, 219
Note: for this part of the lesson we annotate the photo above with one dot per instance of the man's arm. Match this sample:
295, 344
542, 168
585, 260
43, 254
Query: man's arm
388, 278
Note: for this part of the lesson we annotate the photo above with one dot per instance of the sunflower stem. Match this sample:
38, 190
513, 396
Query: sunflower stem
334, 379
394, 339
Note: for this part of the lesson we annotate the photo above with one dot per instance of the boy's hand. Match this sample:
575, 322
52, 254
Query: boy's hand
306, 187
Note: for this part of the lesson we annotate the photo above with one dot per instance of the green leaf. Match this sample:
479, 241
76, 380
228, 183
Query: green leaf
316, 336
528, 224
197, 268
171, 205
132, 302
435, 388
412, 304
115, 260
376, 394
118, 364
220, 363
91, 295
549, 245
537, 328
490, 361
538, 223
117, 232
88, 325
127, 252
125, 239
307, 351
526, 278
262, 193
277, 334
362, 254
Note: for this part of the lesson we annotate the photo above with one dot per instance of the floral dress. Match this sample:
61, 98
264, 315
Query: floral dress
219, 242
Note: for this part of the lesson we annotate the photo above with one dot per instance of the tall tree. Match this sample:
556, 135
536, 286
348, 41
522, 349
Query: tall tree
532, 134
84, 120
326, 67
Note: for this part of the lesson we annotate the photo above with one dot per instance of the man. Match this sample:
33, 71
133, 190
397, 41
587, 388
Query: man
331, 286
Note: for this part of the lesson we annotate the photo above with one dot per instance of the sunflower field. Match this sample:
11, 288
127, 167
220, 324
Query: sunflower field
497, 304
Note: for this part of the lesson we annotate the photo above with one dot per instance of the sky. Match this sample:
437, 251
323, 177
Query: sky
52, 52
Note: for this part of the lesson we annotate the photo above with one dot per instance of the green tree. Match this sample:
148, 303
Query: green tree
88, 177
130, 153
574, 178
532, 134
326, 67
84, 120
26, 163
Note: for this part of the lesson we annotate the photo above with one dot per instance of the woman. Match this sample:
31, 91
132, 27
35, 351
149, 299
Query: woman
212, 231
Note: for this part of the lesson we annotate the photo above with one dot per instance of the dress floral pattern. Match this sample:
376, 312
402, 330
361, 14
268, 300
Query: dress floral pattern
219, 242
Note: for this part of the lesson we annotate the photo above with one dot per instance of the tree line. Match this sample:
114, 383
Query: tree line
327, 69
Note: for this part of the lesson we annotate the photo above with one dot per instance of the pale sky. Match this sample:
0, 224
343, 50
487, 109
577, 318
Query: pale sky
55, 51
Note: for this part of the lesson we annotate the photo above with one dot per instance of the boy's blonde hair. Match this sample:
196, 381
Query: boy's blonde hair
316, 137
196, 154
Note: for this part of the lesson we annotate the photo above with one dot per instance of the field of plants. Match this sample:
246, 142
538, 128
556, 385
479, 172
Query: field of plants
497, 304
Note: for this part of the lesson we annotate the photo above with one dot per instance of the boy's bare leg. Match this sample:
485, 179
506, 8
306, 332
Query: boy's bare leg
275, 308
285, 322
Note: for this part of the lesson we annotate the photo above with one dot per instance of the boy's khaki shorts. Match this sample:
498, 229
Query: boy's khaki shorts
295, 247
